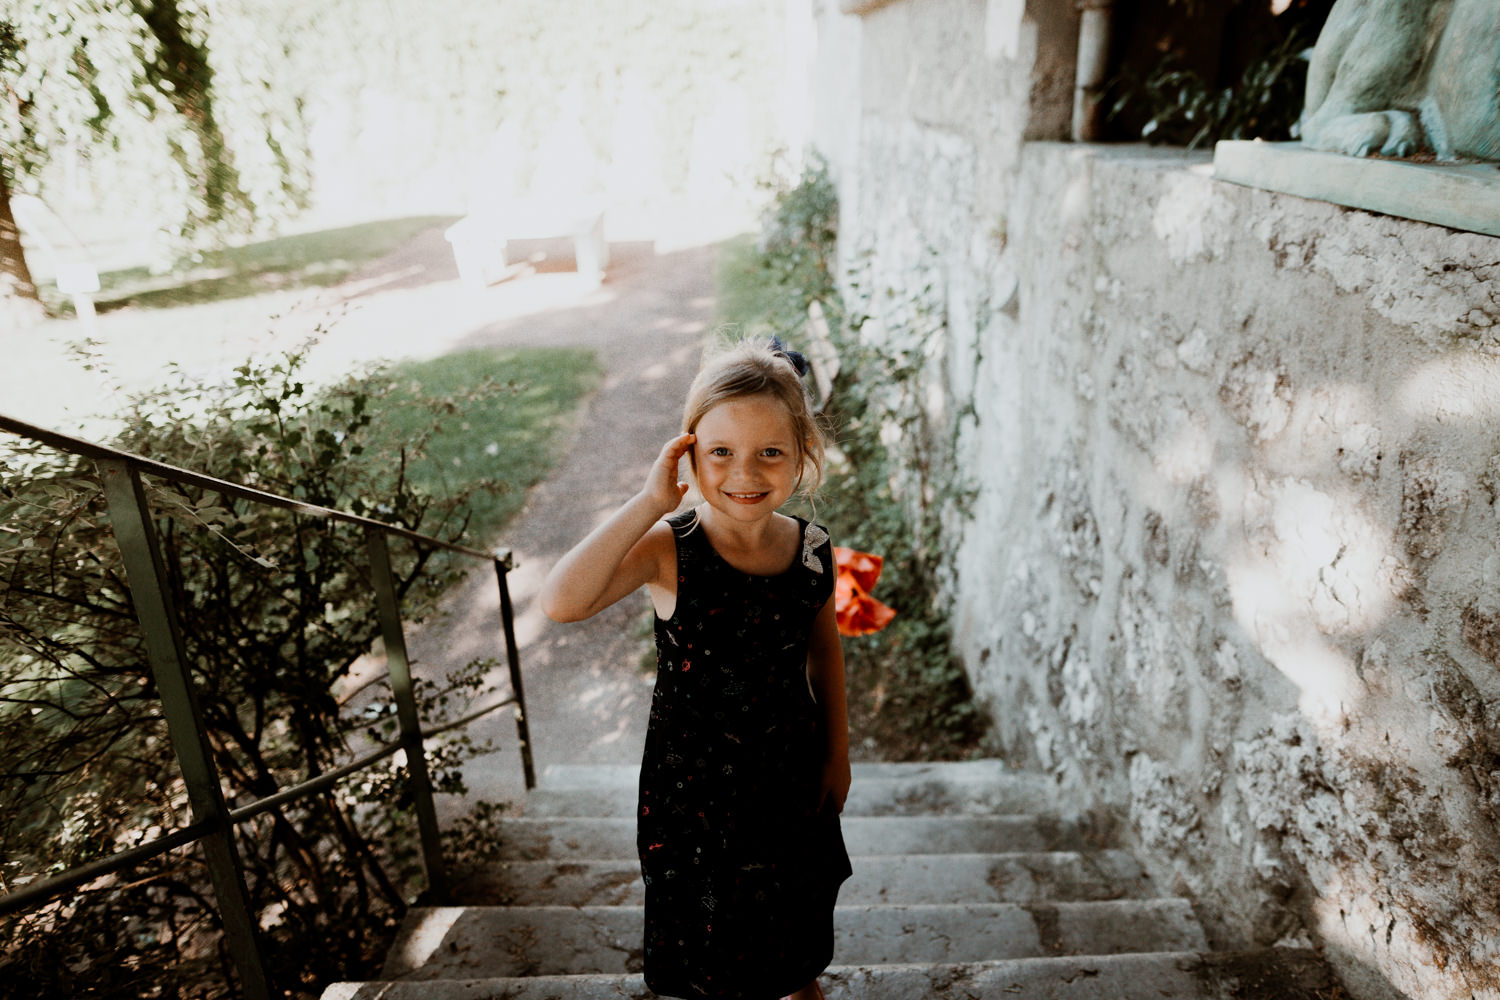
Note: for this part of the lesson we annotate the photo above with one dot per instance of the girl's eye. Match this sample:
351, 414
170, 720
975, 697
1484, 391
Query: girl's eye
719, 452
772, 453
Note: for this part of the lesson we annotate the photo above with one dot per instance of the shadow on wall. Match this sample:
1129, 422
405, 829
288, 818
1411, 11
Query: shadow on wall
1251, 600
1349, 468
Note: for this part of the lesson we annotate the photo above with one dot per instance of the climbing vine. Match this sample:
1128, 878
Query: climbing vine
898, 492
893, 483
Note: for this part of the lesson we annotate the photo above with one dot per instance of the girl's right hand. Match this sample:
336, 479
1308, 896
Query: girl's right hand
634, 547
663, 488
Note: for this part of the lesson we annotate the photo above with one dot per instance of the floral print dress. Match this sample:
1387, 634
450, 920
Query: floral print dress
742, 867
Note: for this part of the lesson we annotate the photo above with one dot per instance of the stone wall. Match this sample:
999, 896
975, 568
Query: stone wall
1231, 566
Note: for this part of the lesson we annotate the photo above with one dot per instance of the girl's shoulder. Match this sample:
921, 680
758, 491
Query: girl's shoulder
660, 544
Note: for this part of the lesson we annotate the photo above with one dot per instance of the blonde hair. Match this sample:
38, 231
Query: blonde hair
757, 368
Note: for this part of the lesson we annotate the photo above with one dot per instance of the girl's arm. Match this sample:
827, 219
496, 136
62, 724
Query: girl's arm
825, 669
628, 550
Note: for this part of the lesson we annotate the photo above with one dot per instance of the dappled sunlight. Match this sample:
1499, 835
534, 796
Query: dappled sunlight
656, 372
525, 584
1077, 196
1331, 536
424, 935
621, 731
1325, 554
1312, 568
1458, 386
1345, 909
1324, 675
1187, 455
1310, 563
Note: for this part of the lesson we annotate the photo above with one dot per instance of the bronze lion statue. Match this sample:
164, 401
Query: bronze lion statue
1397, 77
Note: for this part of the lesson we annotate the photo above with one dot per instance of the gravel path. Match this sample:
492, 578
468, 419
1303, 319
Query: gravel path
587, 695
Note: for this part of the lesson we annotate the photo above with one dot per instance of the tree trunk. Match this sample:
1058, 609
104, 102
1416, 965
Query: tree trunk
20, 306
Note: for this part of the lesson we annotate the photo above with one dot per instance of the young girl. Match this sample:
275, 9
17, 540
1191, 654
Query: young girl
747, 751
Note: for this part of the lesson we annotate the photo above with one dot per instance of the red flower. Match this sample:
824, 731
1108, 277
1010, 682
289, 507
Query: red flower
856, 611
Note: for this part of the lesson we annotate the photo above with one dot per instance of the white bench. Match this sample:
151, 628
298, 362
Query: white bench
480, 238
72, 270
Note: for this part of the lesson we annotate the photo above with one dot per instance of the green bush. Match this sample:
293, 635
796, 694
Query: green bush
277, 618
907, 691
799, 238
912, 695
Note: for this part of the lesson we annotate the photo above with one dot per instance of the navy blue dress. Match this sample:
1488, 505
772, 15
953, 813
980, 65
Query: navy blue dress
742, 867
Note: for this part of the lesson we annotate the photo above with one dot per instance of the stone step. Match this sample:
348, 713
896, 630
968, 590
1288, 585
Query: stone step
868, 796
498, 941
1272, 974
582, 839
1061, 876
556, 776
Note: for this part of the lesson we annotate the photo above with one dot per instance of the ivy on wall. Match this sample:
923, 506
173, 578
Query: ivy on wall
892, 481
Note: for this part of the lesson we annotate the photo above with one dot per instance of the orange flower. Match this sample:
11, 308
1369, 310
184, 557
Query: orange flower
856, 611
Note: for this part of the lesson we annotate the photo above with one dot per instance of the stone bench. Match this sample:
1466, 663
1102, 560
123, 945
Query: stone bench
480, 238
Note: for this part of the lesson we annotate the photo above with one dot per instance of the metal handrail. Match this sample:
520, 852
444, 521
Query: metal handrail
151, 467
37, 894
213, 821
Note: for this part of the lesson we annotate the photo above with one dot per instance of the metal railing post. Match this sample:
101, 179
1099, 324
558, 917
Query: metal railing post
133, 528
513, 659
406, 710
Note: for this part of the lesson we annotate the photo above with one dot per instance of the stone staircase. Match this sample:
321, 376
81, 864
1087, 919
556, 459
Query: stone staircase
965, 885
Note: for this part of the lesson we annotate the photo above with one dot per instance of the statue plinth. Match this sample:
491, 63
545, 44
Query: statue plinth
1457, 195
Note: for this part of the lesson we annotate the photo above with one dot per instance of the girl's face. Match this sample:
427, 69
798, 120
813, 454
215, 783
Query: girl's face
747, 457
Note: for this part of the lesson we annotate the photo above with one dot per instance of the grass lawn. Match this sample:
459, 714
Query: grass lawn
516, 405
751, 297
511, 406
747, 292
302, 260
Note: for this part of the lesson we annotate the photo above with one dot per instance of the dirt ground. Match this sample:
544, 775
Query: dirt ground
587, 697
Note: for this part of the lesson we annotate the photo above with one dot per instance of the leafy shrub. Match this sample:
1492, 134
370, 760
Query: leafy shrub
895, 488
907, 691
277, 620
766, 288
799, 235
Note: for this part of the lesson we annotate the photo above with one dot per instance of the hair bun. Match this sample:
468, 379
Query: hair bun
780, 349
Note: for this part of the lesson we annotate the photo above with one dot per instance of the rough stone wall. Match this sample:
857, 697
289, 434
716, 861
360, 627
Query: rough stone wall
1230, 566
1243, 589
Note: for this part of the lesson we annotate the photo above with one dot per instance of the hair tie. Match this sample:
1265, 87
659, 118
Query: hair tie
781, 350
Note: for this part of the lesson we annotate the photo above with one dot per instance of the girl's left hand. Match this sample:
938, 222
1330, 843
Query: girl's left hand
836, 781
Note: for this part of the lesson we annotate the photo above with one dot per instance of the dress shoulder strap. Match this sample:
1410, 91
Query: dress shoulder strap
687, 533
684, 522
